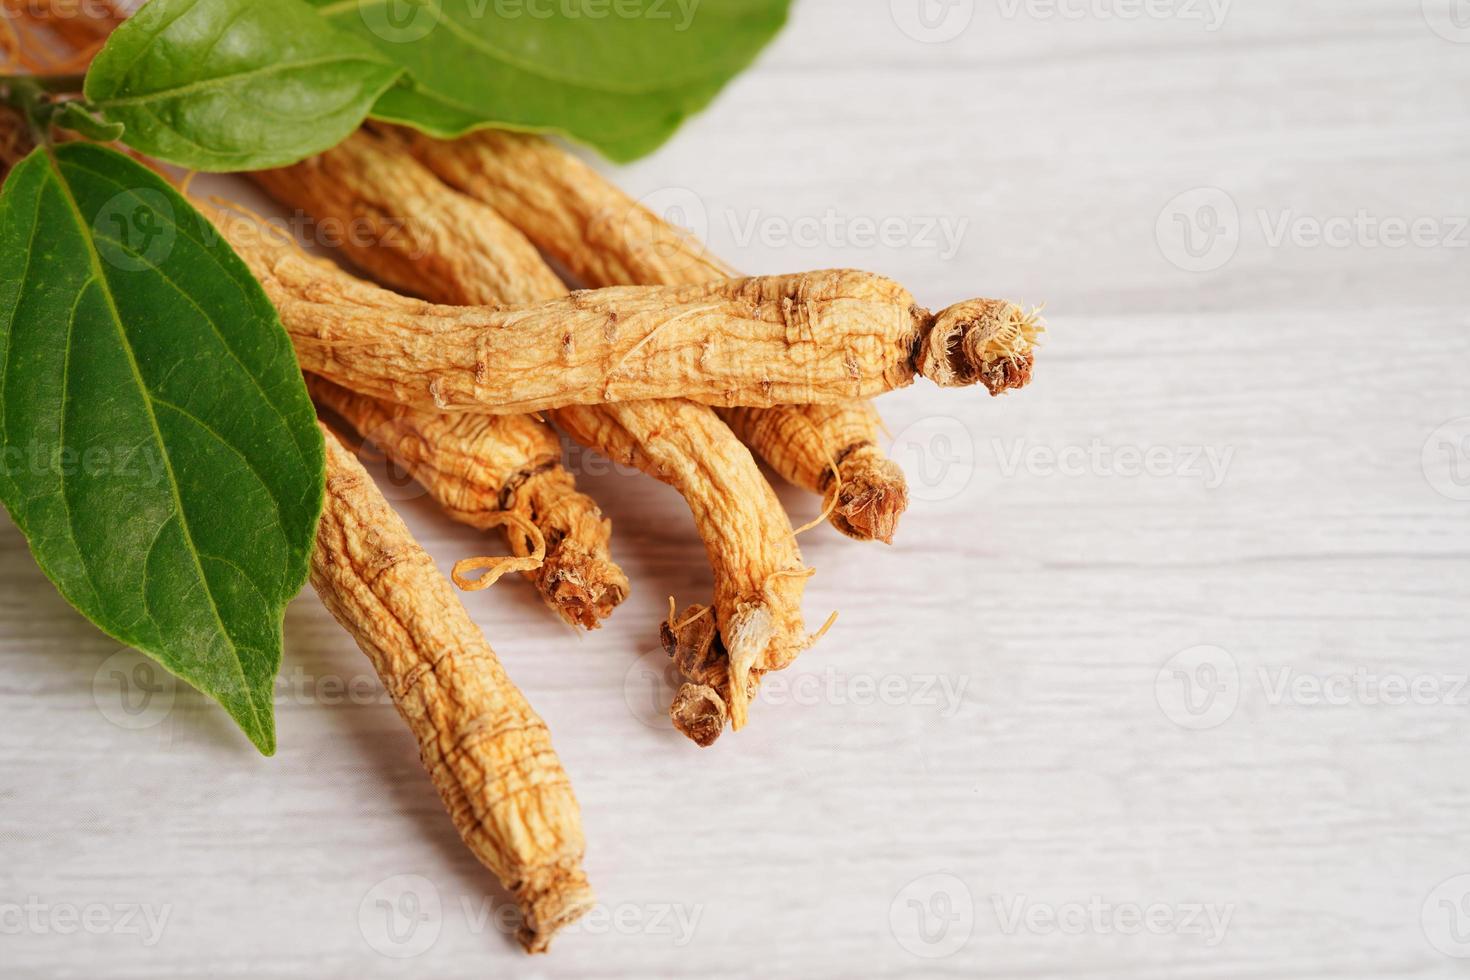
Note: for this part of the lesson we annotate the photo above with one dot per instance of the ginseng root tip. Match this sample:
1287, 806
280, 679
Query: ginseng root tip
985, 341
869, 498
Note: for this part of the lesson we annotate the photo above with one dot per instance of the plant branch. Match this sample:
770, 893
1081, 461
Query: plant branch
55, 84
36, 97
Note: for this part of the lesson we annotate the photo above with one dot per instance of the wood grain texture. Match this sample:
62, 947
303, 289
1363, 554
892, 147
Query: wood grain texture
1030, 573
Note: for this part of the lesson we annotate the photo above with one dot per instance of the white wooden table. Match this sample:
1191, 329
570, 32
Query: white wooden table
1165, 676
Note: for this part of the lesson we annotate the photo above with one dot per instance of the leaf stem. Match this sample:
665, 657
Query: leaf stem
36, 96
57, 84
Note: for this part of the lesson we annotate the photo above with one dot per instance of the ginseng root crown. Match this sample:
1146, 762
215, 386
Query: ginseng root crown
988, 341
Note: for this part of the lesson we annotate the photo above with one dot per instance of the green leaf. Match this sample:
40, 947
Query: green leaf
75, 117
235, 84
160, 453
620, 75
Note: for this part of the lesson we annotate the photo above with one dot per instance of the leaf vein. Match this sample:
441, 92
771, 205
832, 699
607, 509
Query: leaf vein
95, 261
205, 84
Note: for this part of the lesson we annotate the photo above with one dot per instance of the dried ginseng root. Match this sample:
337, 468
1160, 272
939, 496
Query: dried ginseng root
759, 575
591, 228
489, 754
702, 704
863, 491
463, 264
811, 337
402, 225
481, 468
605, 238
